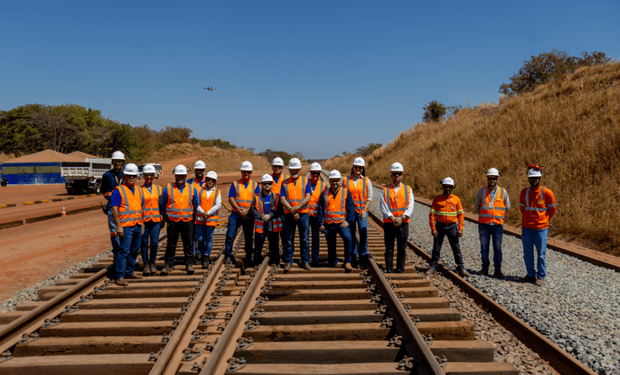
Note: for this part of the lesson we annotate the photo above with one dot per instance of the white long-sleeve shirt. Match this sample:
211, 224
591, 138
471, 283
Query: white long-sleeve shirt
370, 189
385, 208
216, 205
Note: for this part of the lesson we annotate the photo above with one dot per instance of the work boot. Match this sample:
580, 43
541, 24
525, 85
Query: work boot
229, 261
307, 267
205, 262
528, 279
121, 282
347, 266
539, 282
499, 275
166, 269
288, 267
483, 272
431, 271
133, 276
247, 263
314, 263
189, 268
462, 272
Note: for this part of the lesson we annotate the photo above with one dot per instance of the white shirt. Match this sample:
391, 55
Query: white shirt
216, 205
385, 208
369, 186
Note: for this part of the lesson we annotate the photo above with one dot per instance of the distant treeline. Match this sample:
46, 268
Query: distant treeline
67, 128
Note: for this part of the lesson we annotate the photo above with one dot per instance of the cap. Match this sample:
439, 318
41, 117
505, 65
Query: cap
200, 165
246, 166
447, 181
212, 174
335, 174
396, 167
179, 169
278, 161
266, 178
130, 169
148, 168
294, 163
359, 162
117, 155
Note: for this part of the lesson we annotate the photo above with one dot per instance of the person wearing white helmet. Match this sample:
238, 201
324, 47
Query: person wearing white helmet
537, 205
240, 197
360, 188
198, 181
127, 203
152, 220
109, 181
317, 186
267, 214
210, 202
336, 211
177, 204
396, 206
277, 166
294, 196
447, 219
491, 205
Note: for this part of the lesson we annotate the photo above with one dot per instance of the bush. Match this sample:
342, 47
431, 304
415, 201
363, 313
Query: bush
434, 111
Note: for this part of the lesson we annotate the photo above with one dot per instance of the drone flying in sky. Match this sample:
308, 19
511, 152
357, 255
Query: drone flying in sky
208, 88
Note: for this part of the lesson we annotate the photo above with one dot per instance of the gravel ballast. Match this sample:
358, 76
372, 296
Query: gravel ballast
578, 307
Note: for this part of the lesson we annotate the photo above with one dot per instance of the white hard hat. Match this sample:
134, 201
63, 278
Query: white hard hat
335, 174
396, 167
200, 165
212, 174
266, 178
315, 167
179, 169
359, 162
447, 181
493, 172
534, 171
246, 166
278, 161
149, 168
294, 163
130, 169
117, 155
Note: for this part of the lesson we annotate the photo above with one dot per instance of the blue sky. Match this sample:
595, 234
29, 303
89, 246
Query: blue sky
320, 77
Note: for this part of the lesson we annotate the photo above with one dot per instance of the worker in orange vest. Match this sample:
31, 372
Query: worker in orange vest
267, 214
152, 220
198, 181
336, 211
127, 203
294, 197
210, 199
109, 181
240, 196
537, 205
360, 188
446, 210
178, 204
316, 186
492, 203
277, 166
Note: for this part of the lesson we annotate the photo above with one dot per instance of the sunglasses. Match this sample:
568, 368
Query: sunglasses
278, 167
132, 176
210, 180
492, 179
246, 172
316, 173
358, 167
267, 184
397, 173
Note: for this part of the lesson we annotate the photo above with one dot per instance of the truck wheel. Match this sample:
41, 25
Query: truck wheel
71, 191
98, 188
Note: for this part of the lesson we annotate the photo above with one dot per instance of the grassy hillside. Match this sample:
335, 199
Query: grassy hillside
570, 127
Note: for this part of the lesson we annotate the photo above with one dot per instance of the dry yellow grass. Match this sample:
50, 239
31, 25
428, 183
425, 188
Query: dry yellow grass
570, 127
6, 157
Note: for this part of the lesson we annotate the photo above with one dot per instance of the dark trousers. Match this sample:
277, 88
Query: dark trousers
274, 247
450, 231
400, 234
235, 221
185, 229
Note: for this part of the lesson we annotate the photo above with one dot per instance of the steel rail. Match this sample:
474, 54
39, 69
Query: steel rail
559, 359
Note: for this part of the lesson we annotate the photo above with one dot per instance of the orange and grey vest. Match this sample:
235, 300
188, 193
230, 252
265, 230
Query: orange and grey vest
244, 195
295, 192
206, 204
151, 203
179, 206
493, 212
335, 206
130, 210
397, 202
260, 207
313, 205
359, 191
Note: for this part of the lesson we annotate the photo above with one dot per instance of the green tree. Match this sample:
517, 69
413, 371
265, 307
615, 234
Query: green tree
434, 111
18, 134
368, 149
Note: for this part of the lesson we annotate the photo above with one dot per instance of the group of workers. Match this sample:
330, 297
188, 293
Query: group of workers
281, 205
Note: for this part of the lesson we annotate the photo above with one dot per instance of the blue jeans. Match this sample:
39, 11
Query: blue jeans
316, 238
128, 251
449, 230
204, 233
363, 245
274, 247
345, 234
487, 231
235, 221
290, 224
151, 230
538, 237
113, 237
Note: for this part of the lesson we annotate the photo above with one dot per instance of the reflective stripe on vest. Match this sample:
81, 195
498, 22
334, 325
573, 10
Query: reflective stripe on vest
313, 205
151, 204
260, 207
359, 197
292, 198
393, 201
206, 204
244, 198
492, 209
130, 211
176, 213
335, 213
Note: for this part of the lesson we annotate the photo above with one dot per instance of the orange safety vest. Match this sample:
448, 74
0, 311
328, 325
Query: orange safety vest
278, 185
493, 212
130, 210
335, 207
359, 192
196, 184
206, 204
151, 203
179, 206
295, 193
313, 205
397, 203
538, 210
244, 195
446, 210
260, 207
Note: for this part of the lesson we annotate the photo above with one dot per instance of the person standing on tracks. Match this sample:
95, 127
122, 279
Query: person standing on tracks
109, 181
317, 186
294, 197
267, 212
336, 211
277, 166
446, 211
127, 202
240, 198
396, 206
177, 205
210, 202
152, 219
198, 182
360, 188
491, 205
537, 205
